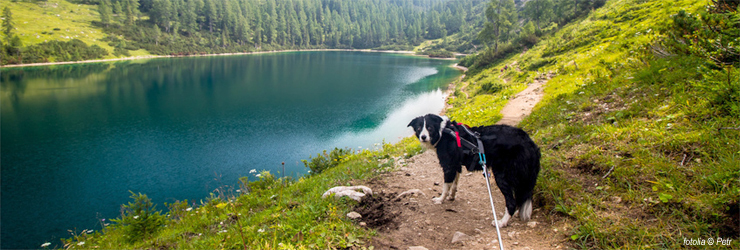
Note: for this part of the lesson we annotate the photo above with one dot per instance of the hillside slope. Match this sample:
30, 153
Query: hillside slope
640, 141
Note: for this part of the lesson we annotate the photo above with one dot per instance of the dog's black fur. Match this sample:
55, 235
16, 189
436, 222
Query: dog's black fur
510, 154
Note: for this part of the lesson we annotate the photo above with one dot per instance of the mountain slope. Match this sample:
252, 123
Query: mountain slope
640, 146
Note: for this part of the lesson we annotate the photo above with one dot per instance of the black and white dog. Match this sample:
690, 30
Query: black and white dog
511, 155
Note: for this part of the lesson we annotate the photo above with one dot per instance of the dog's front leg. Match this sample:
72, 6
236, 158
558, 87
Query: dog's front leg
453, 188
450, 177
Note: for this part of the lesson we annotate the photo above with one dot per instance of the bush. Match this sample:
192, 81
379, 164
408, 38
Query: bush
439, 53
139, 219
325, 161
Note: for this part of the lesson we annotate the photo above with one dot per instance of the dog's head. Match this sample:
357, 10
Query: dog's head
428, 128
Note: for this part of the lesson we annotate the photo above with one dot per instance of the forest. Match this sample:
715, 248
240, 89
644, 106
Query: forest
188, 27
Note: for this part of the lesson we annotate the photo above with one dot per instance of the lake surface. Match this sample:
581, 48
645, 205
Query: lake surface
77, 138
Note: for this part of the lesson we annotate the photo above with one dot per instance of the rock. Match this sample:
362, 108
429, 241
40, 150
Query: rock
350, 192
461, 237
515, 243
412, 192
363, 224
418, 248
512, 234
532, 224
616, 199
354, 215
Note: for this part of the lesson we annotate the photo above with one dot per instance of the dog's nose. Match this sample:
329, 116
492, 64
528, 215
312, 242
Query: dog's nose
423, 137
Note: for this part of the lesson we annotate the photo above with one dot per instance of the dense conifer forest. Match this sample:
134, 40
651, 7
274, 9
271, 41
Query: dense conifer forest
187, 27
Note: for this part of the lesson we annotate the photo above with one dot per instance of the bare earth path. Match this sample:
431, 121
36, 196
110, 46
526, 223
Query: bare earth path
414, 220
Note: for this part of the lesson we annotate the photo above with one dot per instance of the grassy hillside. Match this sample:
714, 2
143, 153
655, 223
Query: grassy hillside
270, 213
641, 147
58, 20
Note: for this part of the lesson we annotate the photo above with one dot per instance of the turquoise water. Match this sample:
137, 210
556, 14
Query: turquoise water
77, 138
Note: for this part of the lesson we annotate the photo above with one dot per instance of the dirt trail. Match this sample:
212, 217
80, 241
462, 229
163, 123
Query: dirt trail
413, 220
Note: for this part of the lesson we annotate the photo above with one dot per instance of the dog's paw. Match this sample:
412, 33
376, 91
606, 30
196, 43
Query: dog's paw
437, 200
501, 223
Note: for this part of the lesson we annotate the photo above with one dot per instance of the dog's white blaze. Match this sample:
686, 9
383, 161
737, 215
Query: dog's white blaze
424, 133
525, 212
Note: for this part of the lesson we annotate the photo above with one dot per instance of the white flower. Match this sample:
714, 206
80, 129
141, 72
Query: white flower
46, 244
136, 217
90, 231
238, 190
258, 175
189, 209
253, 171
260, 230
81, 243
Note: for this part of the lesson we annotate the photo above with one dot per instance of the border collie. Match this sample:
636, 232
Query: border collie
511, 155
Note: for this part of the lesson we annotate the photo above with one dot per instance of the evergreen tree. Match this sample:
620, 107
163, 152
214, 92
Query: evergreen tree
105, 12
8, 25
502, 17
539, 11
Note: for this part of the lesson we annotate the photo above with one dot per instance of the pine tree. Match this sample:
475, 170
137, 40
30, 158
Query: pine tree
105, 12
502, 17
8, 25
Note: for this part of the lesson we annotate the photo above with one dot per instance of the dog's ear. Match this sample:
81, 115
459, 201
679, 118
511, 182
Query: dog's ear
414, 121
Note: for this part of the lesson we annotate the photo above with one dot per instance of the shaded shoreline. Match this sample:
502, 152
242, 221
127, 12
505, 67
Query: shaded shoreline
221, 54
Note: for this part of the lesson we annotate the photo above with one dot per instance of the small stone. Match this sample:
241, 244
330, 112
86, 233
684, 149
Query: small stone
616, 199
418, 248
362, 224
515, 243
411, 192
532, 224
460, 237
354, 215
512, 234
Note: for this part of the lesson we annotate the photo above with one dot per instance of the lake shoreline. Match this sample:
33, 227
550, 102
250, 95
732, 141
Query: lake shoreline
221, 54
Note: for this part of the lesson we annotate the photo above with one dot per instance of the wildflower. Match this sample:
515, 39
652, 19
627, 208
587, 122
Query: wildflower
260, 230
253, 171
90, 231
136, 217
238, 190
189, 209
46, 244
81, 243
258, 175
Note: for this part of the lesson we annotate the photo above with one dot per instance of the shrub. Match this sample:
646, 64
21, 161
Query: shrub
139, 219
325, 161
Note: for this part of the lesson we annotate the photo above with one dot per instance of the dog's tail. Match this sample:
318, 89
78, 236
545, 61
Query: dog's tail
525, 211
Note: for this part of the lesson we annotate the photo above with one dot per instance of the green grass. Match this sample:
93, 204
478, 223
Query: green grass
269, 213
633, 147
58, 20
